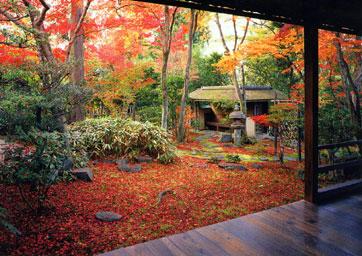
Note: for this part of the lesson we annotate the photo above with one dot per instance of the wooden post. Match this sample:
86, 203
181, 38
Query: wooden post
311, 112
299, 135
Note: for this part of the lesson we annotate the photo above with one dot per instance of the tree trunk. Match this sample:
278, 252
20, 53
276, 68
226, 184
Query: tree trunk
244, 106
234, 79
164, 91
166, 31
181, 126
77, 75
350, 88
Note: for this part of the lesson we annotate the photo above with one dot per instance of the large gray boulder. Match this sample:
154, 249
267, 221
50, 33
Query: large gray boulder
84, 174
108, 216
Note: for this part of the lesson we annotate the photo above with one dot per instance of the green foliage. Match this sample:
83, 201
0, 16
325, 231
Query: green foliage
283, 113
335, 125
175, 84
267, 70
208, 75
26, 101
232, 158
112, 136
35, 168
224, 106
150, 114
195, 124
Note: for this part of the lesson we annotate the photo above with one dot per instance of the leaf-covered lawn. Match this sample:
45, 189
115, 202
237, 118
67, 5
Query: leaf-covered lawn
203, 194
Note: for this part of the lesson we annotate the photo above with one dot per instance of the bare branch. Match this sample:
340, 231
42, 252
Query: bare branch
41, 18
235, 33
171, 27
245, 32
221, 33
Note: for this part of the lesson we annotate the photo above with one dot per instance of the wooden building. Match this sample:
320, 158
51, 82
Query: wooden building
258, 99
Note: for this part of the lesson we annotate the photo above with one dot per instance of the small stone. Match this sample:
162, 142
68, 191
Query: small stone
144, 159
108, 216
232, 166
84, 174
130, 168
264, 159
108, 161
68, 164
122, 161
226, 138
257, 166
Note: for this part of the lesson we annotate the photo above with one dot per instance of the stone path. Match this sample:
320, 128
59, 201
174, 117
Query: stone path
211, 149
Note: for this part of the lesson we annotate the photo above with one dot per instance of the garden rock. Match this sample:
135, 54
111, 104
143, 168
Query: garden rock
130, 168
108, 216
232, 167
226, 138
144, 159
68, 164
122, 161
84, 174
257, 166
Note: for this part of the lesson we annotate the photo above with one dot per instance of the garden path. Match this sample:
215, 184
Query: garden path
206, 145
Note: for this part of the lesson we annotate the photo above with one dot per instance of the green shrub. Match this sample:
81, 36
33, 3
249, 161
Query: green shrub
150, 114
195, 124
113, 136
35, 168
232, 158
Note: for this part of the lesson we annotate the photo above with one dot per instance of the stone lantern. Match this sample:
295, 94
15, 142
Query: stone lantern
238, 124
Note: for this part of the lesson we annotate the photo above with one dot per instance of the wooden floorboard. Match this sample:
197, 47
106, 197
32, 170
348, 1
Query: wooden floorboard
300, 228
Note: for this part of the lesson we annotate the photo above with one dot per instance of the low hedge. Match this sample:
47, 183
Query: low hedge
119, 137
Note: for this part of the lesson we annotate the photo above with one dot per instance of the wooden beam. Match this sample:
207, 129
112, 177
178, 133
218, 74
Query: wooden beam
311, 111
331, 15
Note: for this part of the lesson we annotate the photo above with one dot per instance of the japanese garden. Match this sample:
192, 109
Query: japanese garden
122, 122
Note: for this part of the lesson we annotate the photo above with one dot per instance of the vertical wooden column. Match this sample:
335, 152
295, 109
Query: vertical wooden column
311, 112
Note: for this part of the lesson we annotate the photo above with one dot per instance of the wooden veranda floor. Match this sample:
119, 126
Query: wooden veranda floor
299, 228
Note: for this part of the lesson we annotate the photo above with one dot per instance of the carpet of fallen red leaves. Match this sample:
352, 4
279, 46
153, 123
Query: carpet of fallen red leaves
204, 194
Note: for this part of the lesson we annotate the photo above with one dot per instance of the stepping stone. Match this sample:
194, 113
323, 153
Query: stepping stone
108, 216
84, 174
257, 166
122, 161
264, 159
226, 138
130, 168
144, 159
232, 167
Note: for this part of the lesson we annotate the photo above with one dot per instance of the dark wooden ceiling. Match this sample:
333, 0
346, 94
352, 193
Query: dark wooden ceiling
336, 15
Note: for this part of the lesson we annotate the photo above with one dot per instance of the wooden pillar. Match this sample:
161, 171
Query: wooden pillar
311, 112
